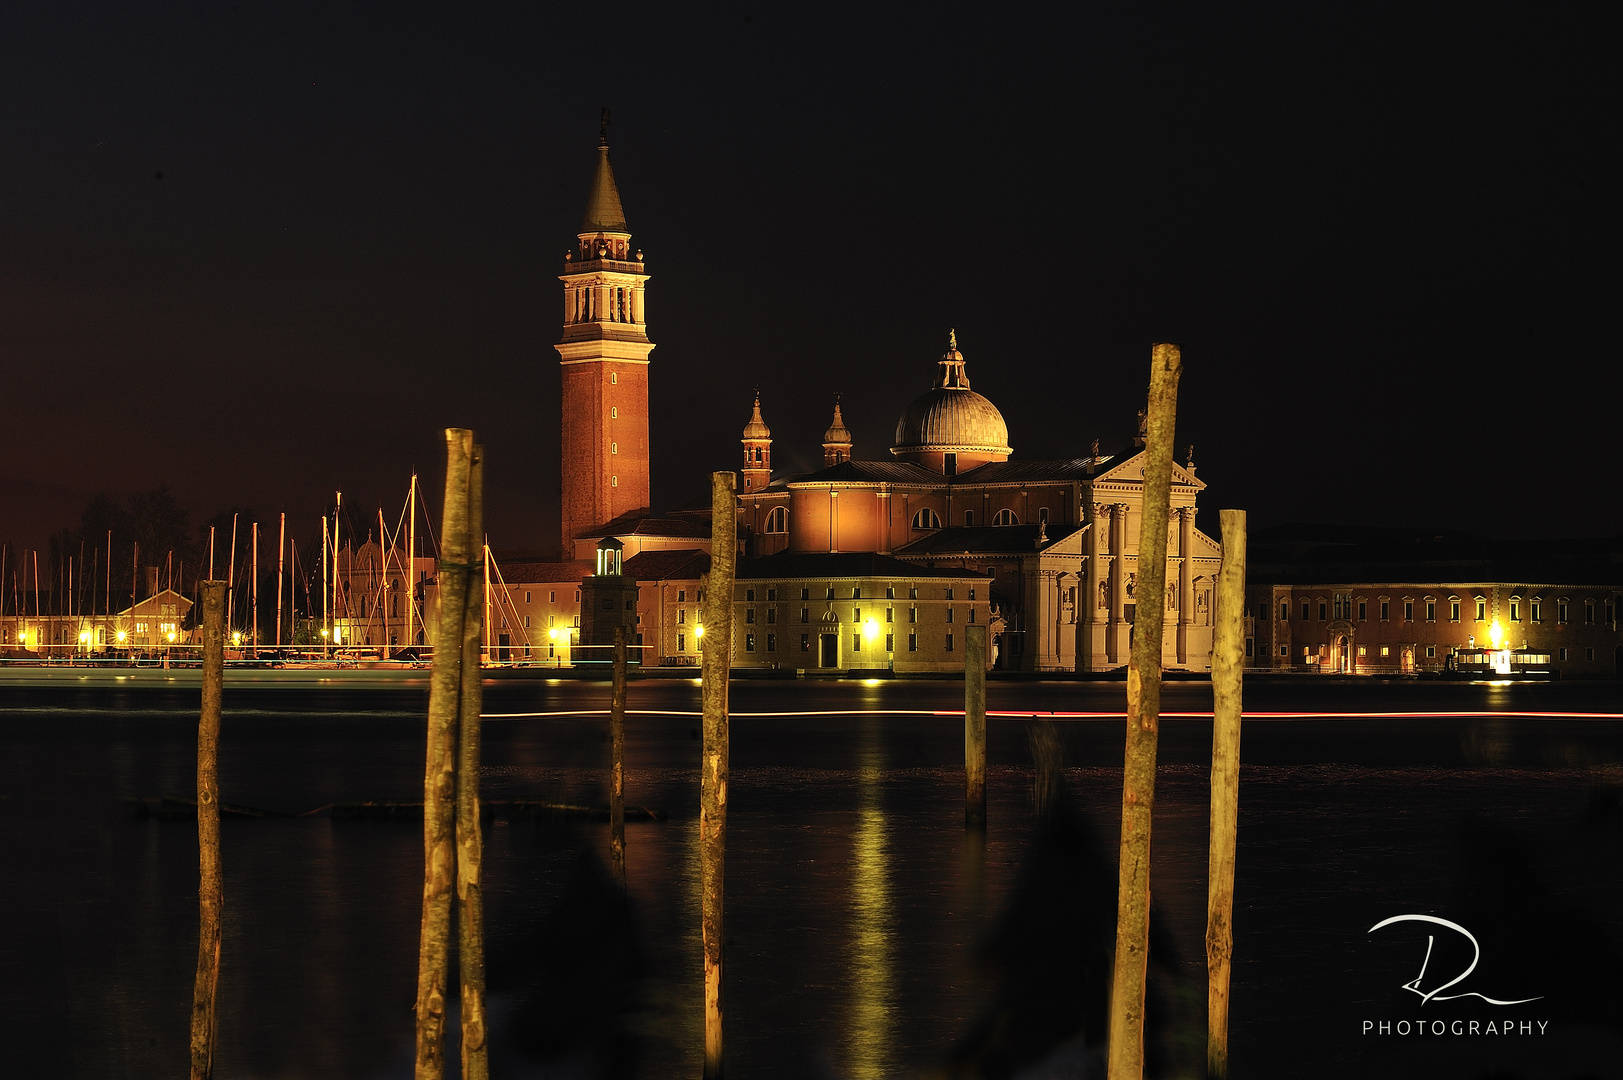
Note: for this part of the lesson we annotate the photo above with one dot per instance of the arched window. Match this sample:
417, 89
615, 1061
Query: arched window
927, 519
778, 520
1005, 517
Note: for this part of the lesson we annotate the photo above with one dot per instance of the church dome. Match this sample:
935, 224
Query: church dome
952, 418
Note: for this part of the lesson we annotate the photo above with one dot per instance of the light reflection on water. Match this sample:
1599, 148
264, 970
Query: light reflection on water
870, 1044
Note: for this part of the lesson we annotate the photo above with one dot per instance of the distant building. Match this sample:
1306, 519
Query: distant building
1372, 601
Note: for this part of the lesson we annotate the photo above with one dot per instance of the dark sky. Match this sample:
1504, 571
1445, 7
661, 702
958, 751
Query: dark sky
262, 253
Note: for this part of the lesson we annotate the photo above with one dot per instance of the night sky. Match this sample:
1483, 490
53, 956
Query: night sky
262, 253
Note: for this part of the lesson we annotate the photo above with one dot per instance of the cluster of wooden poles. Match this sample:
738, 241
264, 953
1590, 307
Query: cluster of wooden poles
452, 845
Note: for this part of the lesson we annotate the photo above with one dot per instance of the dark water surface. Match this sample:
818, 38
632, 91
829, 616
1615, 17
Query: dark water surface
867, 936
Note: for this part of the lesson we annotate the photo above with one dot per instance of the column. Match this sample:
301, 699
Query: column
1116, 632
1186, 575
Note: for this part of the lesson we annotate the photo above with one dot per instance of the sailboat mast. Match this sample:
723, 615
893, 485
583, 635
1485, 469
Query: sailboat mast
231, 580
411, 562
486, 657
337, 523
253, 591
326, 611
281, 546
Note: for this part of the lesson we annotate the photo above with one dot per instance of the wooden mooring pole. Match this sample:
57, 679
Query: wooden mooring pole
718, 644
470, 848
1126, 1053
210, 886
617, 760
456, 570
975, 726
1228, 664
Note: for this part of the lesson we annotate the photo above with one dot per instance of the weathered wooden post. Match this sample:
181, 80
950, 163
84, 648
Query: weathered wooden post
210, 888
456, 570
718, 644
617, 759
975, 726
1126, 1053
475, 1054
1228, 662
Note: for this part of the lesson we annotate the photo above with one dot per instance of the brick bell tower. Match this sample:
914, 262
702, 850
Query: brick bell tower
604, 360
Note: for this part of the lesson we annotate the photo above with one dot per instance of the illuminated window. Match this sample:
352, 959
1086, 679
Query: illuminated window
749, 642
614, 448
681, 643
1533, 610
1006, 517
926, 519
1386, 650
913, 592
614, 377
890, 642
614, 481
614, 412
856, 642
1515, 611
1361, 650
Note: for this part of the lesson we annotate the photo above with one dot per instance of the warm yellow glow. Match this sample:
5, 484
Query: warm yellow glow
236, 637
1497, 633
870, 628
171, 635
553, 633
121, 635
698, 631
84, 636
22, 636
337, 636
324, 635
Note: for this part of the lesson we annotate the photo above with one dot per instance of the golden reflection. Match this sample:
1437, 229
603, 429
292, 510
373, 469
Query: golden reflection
872, 942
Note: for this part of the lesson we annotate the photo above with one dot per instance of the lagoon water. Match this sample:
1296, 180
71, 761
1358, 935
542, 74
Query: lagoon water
867, 935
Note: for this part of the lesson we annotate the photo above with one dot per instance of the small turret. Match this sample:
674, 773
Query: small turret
837, 439
757, 440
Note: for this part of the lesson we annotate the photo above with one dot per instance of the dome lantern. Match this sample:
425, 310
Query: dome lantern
951, 427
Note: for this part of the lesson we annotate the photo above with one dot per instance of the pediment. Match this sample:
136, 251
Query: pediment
1131, 471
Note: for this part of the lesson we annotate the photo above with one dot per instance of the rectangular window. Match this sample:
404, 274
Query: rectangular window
1361, 650
771, 614
772, 643
1250, 647
1284, 612
805, 594
681, 596
971, 613
830, 595
972, 592
949, 614
805, 615
1431, 652
749, 596
1534, 610
1386, 650
1408, 611
890, 592
912, 643
771, 594
749, 615
913, 592
912, 614
526, 596
1307, 611
1363, 610
890, 615
1481, 611
1321, 610
1515, 611
1589, 654
1561, 612
681, 616
1589, 612
749, 642
856, 642
856, 616
681, 643
1284, 650
949, 643
1431, 611
1563, 654
969, 517
1453, 611
856, 592
805, 643
890, 642
949, 594
526, 622
550, 618
1042, 514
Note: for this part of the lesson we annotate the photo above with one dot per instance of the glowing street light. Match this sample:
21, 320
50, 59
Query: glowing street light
121, 636
698, 632
236, 637
870, 628
1497, 633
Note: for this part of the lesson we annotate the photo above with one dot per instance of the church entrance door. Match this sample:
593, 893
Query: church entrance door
828, 650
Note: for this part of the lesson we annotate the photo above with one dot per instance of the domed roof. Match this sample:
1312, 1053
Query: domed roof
951, 416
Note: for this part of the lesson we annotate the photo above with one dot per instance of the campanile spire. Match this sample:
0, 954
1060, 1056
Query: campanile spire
604, 358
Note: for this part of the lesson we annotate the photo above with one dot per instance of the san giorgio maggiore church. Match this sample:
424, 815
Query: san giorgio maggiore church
863, 564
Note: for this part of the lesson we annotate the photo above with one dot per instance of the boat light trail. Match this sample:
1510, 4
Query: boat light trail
1039, 714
